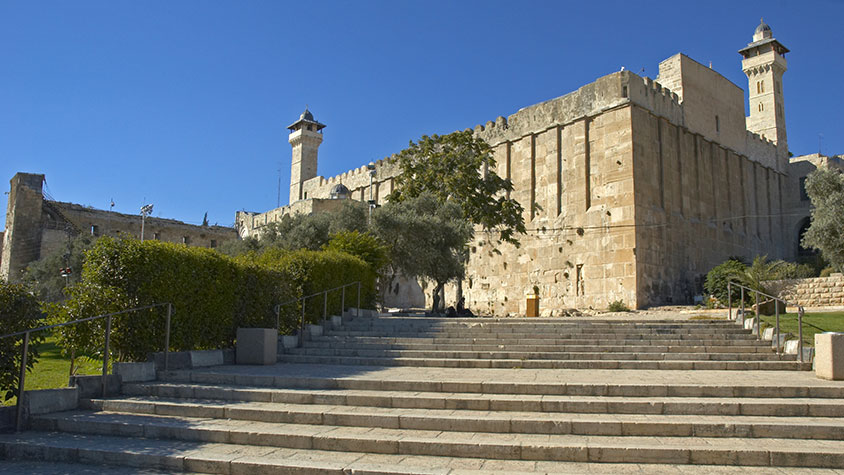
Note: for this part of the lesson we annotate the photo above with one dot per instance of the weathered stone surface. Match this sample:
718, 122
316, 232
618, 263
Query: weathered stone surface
829, 355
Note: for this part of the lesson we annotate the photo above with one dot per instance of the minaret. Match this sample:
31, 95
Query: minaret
764, 64
305, 137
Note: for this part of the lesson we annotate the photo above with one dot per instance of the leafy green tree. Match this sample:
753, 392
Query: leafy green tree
459, 168
302, 231
19, 311
363, 245
825, 188
45, 276
425, 238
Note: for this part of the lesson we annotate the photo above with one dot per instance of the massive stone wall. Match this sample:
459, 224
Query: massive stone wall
631, 192
36, 226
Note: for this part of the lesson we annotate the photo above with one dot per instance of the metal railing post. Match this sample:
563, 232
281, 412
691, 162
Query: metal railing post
743, 316
105, 354
343, 303
302, 324
758, 327
777, 313
358, 313
21, 380
324, 307
800, 333
729, 302
167, 338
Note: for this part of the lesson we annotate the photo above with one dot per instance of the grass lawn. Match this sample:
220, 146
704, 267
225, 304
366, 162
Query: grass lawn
812, 323
52, 369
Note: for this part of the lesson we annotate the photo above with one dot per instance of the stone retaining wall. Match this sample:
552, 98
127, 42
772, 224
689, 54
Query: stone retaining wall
813, 292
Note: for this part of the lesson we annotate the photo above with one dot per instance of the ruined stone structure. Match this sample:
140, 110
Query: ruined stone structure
36, 226
633, 188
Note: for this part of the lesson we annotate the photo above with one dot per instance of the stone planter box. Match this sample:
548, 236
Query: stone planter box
829, 356
256, 346
289, 341
312, 331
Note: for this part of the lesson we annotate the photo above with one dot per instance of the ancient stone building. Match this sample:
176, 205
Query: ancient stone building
36, 226
633, 188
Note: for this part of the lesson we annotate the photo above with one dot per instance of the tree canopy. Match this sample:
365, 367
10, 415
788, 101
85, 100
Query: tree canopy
425, 238
459, 168
825, 188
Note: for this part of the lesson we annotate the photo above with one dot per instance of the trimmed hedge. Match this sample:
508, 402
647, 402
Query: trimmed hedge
315, 271
212, 294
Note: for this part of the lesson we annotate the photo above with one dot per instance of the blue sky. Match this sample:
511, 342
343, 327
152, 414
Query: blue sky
185, 103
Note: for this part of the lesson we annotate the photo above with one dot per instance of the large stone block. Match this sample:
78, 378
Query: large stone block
134, 372
44, 401
829, 356
257, 346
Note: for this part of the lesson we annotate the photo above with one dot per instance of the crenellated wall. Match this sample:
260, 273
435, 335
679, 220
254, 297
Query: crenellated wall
632, 191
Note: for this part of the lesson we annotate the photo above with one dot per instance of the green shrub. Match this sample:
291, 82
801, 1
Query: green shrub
362, 245
717, 278
618, 306
18, 312
211, 295
314, 271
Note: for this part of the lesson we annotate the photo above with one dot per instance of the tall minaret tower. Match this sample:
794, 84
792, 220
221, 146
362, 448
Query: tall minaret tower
764, 64
305, 137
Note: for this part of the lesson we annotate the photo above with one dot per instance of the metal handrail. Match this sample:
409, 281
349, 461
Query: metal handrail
324, 293
25, 349
757, 293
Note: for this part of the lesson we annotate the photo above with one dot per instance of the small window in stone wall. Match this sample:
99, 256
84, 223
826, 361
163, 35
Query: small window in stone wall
156, 236
717, 124
185, 240
803, 195
95, 230
213, 243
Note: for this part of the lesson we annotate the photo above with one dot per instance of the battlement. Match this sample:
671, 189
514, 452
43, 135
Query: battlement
607, 92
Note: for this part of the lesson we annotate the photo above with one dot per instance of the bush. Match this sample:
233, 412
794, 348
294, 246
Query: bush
211, 295
18, 312
618, 306
717, 278
362, 245
314, 271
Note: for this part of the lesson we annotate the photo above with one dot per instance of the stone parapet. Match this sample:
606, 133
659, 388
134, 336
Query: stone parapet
812, 292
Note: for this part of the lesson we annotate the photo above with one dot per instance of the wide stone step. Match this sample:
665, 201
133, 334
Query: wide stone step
575, 398
595, 347
450, 342
76, 453
552, 447
521, 422
672, 384
552, 339
506, 354
538, 335
523, 328
548, 364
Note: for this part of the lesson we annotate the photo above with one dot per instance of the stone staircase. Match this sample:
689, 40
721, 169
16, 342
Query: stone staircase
426, 395
543, 343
